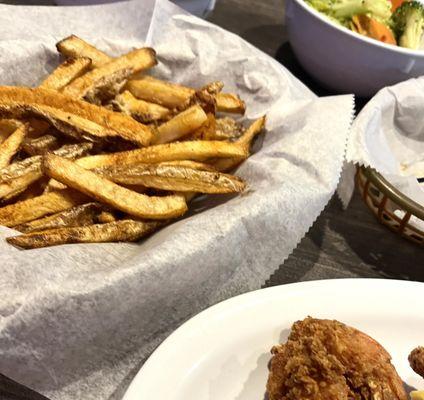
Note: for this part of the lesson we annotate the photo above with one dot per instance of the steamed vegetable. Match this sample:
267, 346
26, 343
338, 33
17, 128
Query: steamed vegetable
372, 28
377, 9
396, 4
408, 23
396, 22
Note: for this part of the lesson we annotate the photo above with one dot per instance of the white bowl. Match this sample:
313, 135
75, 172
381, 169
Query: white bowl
345, 61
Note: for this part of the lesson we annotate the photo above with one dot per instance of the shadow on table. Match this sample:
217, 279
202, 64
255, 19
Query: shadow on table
377, 251
387, 253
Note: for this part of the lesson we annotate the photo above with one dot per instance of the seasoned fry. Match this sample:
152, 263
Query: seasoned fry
196, 151
7, 127
171, 95
252, 131
105, 82
18, 176
14, 187
33, 190
85, 214
190, 164
33, 164
105, 191
40, 145
207, 131
13, 99
175, 178
54, 185
75, 47
244, 142
122, 171
12, 144
227, 129
118, 231
28, 210
20, 168
166, 94
204, 97
141, 110
70, 124
66, 72
181, 125
105, 216
230, 103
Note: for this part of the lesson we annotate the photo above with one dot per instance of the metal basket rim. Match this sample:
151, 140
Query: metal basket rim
394, 194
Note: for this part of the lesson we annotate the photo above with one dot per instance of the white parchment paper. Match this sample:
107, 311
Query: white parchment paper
388, 135
76, 321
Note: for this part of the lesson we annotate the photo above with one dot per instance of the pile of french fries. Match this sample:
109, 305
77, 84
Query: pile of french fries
102, 152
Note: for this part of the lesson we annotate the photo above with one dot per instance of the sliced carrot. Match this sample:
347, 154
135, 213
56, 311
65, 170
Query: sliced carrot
373, 29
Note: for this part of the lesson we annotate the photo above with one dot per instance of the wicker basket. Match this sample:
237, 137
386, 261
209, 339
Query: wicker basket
383, 199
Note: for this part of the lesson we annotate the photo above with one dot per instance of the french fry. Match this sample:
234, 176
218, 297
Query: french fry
141, 110
174, 178
85, 214
105, 217
66, 72
51, 199
118, 231
70, 124
46, 204
190, 164
13, 99
244, 141
105, 82
74, 47
54, 185
40, 145
227, 129
204, 97
196, 151
33, 190
251, 132
12, 144
172, 95
147, 88
7, 127
181, 125
16, 186
20, 168
105, 191
218, 129
166, 94
16, 178
230, 103
33, 164
207, 131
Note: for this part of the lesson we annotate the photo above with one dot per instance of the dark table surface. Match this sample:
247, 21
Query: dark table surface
342, 243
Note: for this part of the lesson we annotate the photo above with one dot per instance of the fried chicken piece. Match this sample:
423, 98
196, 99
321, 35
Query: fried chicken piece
327, 360
416, 360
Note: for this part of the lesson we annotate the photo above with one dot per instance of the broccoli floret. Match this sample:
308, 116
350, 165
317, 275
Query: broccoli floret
346, 9
408, 24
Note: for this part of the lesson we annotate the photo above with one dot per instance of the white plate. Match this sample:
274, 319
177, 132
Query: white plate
222, 353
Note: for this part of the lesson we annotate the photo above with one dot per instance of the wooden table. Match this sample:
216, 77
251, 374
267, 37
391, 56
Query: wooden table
341, 244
